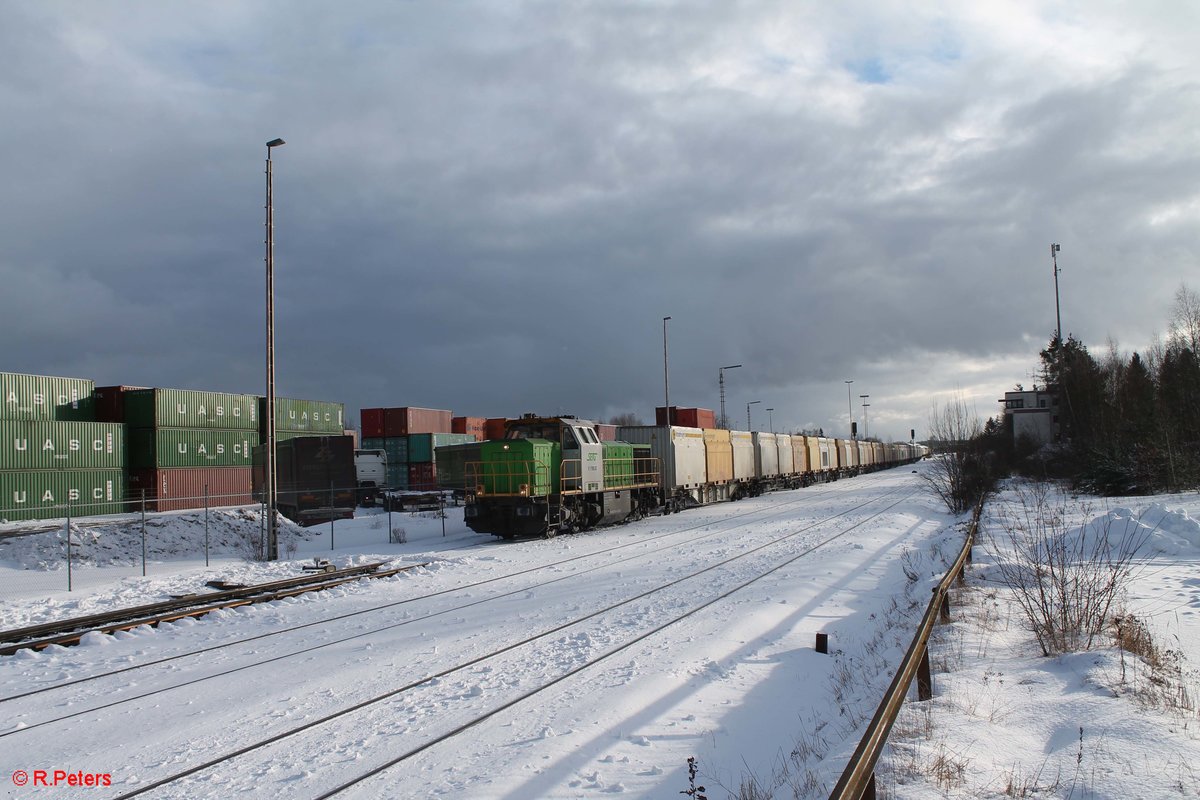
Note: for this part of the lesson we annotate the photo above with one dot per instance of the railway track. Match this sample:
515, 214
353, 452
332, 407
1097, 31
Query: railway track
69, 631
689, 592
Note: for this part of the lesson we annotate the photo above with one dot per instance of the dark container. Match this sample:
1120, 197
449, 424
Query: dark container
110, 402
372, 423
315, 477
494, 428
422, 477
178, 489
408, 420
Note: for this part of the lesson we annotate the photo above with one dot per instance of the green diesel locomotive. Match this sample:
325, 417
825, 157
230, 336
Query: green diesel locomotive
552, 474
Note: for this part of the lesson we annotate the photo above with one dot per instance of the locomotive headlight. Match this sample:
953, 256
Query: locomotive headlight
524, 492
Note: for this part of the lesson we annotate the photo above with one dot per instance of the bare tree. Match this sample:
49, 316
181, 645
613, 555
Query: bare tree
629, 418
1185, 318
957, 475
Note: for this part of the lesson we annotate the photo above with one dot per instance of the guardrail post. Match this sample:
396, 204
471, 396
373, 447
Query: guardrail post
869, 792
944, 612
924, 678
823, 643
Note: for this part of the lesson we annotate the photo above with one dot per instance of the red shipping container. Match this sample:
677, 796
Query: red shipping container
605, 432
686, 417
409, 419
372, 423
476, 426
110, 402
422, 477
178, 489
494, 428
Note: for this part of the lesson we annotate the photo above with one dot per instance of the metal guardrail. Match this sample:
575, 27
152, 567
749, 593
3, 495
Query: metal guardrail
858, 779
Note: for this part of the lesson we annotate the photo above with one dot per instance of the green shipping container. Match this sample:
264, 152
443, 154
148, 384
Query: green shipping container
47, 494
510, 465
156, 448
61, 445
396, 447
184, 408
421, 446
304, 416
397, 476
47, 398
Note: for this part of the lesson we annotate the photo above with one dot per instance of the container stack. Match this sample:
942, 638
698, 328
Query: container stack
190, 448
55, 458
392, 429
423, 457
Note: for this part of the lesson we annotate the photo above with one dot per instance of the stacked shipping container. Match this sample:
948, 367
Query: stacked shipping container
409, 435
188, 449
54, 456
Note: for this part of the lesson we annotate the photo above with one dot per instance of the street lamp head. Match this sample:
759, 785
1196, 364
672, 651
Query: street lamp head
732, 366
275, 142
752, 402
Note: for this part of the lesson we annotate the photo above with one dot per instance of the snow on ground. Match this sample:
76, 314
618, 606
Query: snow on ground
1007, 721
736, 684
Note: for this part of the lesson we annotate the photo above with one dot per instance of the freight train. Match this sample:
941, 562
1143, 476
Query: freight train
554, 474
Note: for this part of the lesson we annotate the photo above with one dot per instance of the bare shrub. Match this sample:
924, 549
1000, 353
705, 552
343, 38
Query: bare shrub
1066, 581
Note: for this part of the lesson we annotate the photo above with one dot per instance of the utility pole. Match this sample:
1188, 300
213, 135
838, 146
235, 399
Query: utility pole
1054, 248
721, 383
850, 407
666, 385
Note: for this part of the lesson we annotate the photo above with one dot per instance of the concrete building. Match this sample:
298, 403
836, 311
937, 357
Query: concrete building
1034, 414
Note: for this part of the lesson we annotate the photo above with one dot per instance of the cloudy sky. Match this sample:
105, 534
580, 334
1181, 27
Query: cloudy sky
490, 206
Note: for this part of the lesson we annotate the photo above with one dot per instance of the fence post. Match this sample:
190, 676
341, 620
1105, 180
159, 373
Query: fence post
924, 678
331, 515
206, 524
442, 512
387, 501
143, 533
68, 544
823, 643
944, 611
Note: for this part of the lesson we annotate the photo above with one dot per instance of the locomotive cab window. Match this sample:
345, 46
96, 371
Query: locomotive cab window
569, 442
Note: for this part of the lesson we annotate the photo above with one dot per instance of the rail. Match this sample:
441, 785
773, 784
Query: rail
858, 779
69, 631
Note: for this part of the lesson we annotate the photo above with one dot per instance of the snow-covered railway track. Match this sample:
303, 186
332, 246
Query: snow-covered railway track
70, 631
665, 541
681, 598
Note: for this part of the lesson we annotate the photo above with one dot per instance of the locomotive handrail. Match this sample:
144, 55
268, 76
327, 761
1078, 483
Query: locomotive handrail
858, 778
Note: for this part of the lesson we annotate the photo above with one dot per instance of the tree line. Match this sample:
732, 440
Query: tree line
1129, 424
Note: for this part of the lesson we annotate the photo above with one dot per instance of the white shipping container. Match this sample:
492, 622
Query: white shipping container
766, 455
787, 463
743, 455
680, 452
